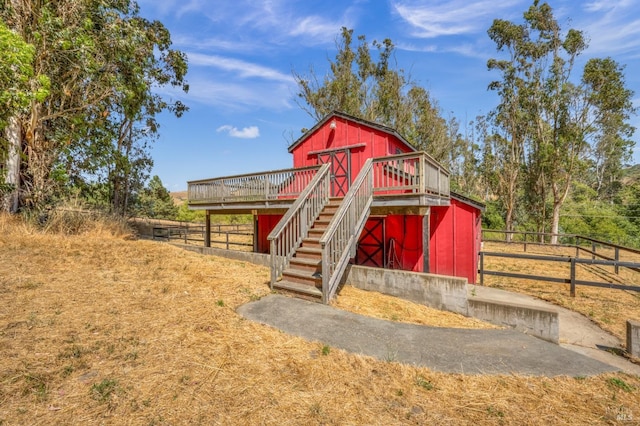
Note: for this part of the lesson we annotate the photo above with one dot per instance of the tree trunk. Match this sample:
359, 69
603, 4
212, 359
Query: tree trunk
11, 201
559, 196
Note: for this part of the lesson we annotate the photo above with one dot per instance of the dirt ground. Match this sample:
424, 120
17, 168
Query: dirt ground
101, 329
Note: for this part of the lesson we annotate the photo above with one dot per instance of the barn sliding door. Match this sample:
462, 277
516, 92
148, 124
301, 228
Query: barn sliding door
371, 250
340, 161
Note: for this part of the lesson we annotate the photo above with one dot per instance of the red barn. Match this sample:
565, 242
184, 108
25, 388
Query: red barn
358, 193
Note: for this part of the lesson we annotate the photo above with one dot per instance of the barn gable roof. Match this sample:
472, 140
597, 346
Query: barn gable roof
348, 117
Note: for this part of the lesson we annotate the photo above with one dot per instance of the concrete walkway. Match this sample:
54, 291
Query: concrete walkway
440, 349
577, 332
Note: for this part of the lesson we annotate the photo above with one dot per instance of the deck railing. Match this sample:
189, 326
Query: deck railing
273, 185
403, 174
414, 172
339, 241
287, 235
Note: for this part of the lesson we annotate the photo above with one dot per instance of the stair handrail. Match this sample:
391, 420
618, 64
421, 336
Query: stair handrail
340, 240
289, 232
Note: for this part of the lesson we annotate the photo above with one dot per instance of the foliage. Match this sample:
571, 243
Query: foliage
93, 128
185, 214
155, 202
548, 130
368, 86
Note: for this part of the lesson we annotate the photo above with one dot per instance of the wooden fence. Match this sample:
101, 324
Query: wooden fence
598, 252
229, 236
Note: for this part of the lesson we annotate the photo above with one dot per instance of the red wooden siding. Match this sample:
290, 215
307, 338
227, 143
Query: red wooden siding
455, 240
402, 243
265, 224
360, 140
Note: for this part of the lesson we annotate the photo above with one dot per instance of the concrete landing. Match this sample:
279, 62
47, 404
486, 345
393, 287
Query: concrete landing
577, 332
440, 349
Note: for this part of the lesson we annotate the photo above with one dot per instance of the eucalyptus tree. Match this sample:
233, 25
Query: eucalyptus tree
545, 119
18, 88
102, 60
372, 87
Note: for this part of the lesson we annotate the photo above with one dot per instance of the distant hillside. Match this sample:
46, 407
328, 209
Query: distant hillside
631, 175
179, 197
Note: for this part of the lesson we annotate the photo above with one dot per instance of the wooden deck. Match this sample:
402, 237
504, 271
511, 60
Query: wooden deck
405, 180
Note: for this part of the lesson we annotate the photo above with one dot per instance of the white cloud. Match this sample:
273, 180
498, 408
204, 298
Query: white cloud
316, 27
613, 27
230, 96
240, 68
446, 18
251, 132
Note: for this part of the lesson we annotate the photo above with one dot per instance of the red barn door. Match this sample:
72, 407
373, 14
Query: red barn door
340, 170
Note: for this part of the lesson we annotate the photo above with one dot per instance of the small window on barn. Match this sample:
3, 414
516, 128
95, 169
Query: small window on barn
398, 150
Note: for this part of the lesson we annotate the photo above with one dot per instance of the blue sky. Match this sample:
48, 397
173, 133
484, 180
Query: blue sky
243, 111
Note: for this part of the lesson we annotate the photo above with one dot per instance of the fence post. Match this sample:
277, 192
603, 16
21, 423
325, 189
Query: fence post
481, 268
186, 232
573, 278
227, 234
577, 241
617, 260
593, 251
207, 230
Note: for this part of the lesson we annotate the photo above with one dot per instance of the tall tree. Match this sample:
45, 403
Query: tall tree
102, 60
17, 90
372, 87
542, 110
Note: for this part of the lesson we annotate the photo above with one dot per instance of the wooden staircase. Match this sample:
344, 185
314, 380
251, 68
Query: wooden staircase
303, 277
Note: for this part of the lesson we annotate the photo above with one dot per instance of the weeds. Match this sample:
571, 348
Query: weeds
103, 391
326, 349
618, 383
424, 383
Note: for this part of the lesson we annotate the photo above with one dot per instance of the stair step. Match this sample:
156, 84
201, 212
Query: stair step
316, 233
308, 253
299, 288
302, 277
306, 264
322, 223
311, 242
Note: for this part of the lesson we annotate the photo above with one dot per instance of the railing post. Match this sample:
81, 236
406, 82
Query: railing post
573, 278
227, 240
577, 241
481, 268
617, 268
593, 251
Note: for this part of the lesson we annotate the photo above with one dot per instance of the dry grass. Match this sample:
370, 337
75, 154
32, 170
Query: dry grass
608, 308
95, 329
391, 308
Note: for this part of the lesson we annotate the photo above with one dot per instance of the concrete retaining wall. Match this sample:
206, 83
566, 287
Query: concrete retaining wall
245, 256
436, 291
542, 323
633, 338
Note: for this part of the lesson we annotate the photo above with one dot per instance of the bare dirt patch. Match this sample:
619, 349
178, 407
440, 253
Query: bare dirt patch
95, 329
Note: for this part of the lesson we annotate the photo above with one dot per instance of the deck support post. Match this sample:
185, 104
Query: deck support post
207, 230
425, 241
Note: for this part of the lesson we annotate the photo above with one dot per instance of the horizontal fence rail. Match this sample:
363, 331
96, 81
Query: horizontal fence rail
609, 256
273, 185
595, 248
189, 233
